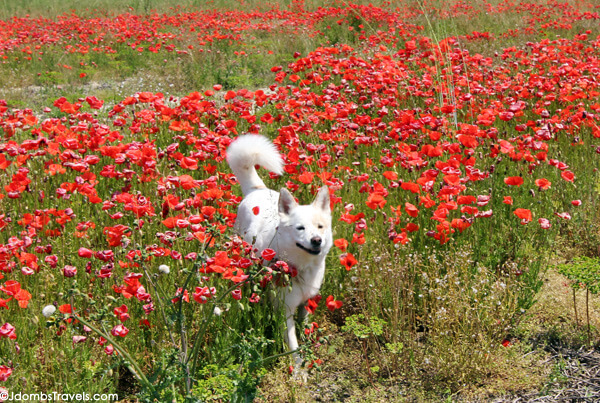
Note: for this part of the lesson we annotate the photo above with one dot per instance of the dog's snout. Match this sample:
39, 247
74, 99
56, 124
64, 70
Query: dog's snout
316, 241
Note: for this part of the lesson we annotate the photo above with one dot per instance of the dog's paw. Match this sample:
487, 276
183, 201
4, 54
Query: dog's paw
300, 374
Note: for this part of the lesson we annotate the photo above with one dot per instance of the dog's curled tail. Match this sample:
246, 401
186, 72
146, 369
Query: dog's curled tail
247, 151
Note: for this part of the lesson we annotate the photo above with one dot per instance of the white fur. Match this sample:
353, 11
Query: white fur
292, 230
246, 152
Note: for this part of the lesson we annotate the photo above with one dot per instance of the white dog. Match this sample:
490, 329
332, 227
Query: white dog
301, 235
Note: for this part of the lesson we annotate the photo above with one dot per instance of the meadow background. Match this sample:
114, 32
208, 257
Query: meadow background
461, 145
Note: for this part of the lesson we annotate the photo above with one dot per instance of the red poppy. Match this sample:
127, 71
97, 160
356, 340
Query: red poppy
341, 244
544, 223
79, 339
119, 330
4, 163
568, 176
109, 349
513, 181
348, 260
412, 227
448, 108
69, 271
121, 312
312, 304
4, 302
236, 294
412, 187
65, 308
463, 199
376, 200
23, 297
268, 254
5, 373
543, 183
460, 224
306, 177
171, 222
332, 304
202, 294
390, 175
411, 209
524, 214
114, 235
85, 252
11, 287
8, 330
483, 200
468, 141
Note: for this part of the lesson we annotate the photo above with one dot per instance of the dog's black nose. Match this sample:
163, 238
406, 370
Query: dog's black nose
316, 241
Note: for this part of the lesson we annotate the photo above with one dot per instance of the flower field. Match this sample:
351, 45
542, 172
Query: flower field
460, 144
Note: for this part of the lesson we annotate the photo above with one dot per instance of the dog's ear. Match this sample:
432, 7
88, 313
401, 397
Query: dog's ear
322, 199
286, 202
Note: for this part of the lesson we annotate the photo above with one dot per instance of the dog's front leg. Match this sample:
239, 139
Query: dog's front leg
292, 342
290, 334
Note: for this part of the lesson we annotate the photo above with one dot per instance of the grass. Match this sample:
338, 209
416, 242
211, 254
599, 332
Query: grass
44, 8
50, 9
230, 63
127, 71
428, 314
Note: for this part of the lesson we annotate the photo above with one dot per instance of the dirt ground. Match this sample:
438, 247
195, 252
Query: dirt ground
553, 362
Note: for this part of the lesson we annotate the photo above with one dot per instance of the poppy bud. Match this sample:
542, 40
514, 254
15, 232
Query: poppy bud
48, 311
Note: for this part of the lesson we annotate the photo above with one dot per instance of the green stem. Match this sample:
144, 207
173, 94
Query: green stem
164, 316
137, 371
195, 350
182, 330
575, 308
272, 357
161, 305
587, 311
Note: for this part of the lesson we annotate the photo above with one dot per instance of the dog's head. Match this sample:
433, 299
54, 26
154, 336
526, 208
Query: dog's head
307, 226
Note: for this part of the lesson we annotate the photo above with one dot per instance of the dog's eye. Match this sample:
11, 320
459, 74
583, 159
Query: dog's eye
320, 226
300, 228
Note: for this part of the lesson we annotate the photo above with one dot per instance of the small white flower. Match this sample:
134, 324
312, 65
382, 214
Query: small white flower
48, 311
163, 268
217, 311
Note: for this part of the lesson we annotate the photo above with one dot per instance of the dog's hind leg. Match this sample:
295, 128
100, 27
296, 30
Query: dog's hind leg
302, 314
299, 373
